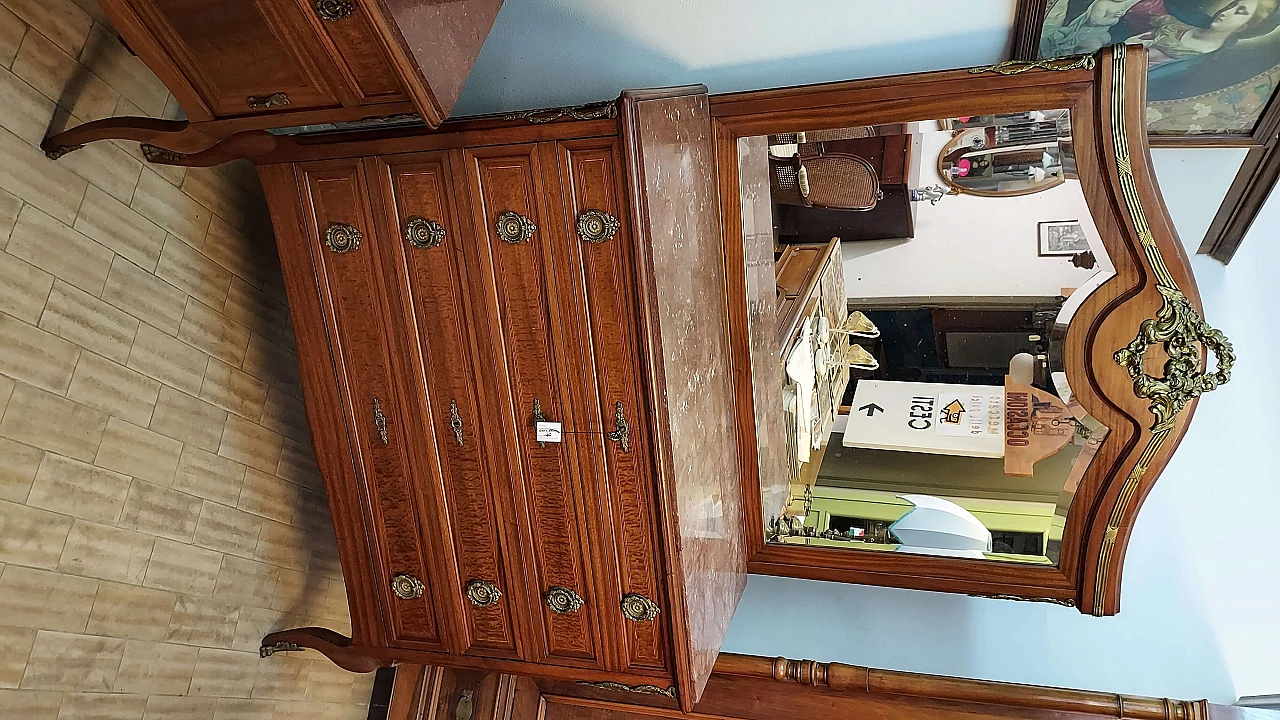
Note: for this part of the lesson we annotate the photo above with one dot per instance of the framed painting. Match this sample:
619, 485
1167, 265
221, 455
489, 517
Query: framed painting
1062, 237
1213, 68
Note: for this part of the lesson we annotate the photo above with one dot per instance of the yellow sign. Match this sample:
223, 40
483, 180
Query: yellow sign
952, 412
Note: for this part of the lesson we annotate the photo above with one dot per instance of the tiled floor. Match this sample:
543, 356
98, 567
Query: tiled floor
159, 503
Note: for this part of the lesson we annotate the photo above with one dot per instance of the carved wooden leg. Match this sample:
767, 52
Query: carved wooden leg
332, 645
249, 144
170, 133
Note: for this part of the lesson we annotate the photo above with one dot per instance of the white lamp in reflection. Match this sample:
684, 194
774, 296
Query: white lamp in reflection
940, 527
1022, 369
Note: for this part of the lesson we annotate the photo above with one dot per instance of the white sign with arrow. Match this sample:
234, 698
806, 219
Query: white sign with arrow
934, 418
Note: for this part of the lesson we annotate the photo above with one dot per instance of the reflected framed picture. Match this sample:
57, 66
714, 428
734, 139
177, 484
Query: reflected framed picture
1062, 237
1213, 65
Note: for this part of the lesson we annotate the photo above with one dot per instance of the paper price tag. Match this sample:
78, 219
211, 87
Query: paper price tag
549, 432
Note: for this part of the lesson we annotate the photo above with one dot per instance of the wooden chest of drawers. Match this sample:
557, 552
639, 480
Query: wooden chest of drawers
452, 290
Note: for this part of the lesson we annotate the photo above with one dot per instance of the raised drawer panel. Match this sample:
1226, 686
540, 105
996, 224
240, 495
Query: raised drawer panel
506, 180
601, 258
240, 53
427, 250
349, 281
367, 68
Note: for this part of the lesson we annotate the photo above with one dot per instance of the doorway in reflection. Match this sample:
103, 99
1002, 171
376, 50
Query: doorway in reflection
926, 276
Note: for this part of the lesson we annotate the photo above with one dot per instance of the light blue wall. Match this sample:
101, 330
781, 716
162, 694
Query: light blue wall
1201, 581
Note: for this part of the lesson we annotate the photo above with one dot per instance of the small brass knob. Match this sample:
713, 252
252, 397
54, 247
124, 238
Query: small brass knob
407, 587
563, 601
638, 608
597, 226
334, 10
341, 237
423, 233
483, 593
514, 228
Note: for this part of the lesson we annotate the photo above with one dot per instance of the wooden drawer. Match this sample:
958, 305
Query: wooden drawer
600, 262
515, 233
426, 248
239, 54
343, 247
344, 27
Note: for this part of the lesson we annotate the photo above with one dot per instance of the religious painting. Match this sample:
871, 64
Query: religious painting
1213, 64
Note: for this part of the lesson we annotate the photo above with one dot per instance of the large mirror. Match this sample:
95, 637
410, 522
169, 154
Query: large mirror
926, 273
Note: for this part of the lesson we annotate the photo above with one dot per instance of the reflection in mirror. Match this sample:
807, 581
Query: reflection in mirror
921, 331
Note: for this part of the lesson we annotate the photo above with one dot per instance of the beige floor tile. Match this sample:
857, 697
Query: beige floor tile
45, 600
296, 592
32, 355
52, 246
170, 208
119, 227
204, 474
329, 683
270, 361
183, 568
224, 673
15, 648
78, 489
107, 553
209, 330
254, 624
162, 512
26, 111
228, 530
164, 707
73, 662
17, 470
298, 465
212, 188
251, 444
24, 288
282, 677
102, 706
149, 668
32, 536
12, 28
236, 251
45, 66
78, 317
283, 545
269, 496
28, 174
239, 709
86, 98
124, 72
251, 307
167, 359
286, 414
144, 296
203, 621
311, 710
191, 420
184, 267
6, 391
233, 389
147, 455
131, 612
245, 582
106, 165
114, 389
31, 704
10, 205
44, 420
62, 21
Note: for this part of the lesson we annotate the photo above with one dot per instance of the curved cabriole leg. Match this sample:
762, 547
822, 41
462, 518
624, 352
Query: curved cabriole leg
241, 145
170, 133
332, 645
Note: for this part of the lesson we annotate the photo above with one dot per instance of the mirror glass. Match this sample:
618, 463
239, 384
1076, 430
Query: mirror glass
925, 276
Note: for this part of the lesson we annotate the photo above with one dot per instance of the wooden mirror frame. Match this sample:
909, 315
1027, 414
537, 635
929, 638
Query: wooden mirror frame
1152, 299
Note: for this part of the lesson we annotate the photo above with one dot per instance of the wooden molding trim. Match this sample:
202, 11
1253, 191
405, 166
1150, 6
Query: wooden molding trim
1244, 200
856, 679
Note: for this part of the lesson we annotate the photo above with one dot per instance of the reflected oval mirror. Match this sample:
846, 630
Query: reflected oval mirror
1008, 154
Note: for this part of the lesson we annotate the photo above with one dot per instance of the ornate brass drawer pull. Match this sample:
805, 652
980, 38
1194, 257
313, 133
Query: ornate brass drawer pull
423, 233
407, 587
455, 421
638, 608
563, 601
597, 226
483, 593
268, 101
342, 238
380, 421
622, 432
514, 228
334, 10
